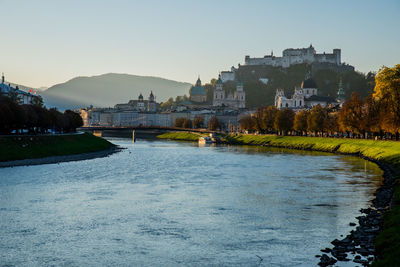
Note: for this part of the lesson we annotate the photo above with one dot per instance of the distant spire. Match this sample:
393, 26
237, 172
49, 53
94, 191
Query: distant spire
308, 75
272, 53
198, 82
340, 93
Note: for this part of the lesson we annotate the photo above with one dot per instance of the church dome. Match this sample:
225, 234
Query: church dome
308, 83
198, 90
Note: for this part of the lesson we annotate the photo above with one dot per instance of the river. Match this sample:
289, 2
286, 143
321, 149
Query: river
160, 203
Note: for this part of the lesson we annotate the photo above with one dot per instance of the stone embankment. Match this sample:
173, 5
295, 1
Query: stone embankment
358, 246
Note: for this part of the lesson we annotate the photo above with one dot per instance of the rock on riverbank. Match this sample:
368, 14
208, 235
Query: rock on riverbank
358, 246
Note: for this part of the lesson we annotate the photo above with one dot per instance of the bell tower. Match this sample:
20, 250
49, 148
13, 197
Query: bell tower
219, 93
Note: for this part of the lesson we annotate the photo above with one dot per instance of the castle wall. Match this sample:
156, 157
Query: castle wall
296, 56
227, 76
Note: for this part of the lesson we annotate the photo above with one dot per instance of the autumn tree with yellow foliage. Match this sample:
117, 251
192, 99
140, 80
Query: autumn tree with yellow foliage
387, 92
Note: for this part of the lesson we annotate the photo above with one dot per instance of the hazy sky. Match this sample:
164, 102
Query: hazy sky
47, 42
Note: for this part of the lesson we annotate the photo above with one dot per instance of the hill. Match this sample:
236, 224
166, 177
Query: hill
106, 90
326, 77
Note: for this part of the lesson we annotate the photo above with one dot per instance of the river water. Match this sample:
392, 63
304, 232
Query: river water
160, 203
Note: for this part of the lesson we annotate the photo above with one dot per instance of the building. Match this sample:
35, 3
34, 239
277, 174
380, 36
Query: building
110, 117
198, 93
236, 100
21, 96
340, 94
228, 75
293, 56
305, 96
140, 104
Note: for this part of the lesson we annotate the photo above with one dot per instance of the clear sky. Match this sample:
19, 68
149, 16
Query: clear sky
43, 43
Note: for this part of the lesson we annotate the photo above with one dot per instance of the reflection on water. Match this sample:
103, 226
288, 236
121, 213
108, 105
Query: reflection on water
170, 203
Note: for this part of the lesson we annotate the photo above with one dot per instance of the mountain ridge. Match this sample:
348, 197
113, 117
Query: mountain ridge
106, 90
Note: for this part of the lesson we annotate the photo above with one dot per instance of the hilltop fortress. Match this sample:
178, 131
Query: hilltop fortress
291, 56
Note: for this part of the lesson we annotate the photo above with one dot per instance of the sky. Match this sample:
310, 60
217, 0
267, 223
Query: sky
46, 42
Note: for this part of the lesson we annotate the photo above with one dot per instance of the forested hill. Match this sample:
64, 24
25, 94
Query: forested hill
327, 79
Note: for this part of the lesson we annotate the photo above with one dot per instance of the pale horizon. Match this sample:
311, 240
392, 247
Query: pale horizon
47, 43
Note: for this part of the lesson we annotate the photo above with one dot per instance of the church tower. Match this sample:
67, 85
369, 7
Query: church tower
240, 95
340, 94
151, 105
219, 93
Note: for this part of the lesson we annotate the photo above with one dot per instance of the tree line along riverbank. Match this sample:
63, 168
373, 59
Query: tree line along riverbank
385, 153
20, 147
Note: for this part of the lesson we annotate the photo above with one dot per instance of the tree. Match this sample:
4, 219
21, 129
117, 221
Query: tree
387, 91
74, 120
13, 95
300, 121
284, 121
198, 121
214, 124
187, 123
167, 104
372, 115
315, 121
58, 122
350, 117
258, 122
37, 101
246, 123
330, 123
31, 118
268, 118
179, 122
12, 116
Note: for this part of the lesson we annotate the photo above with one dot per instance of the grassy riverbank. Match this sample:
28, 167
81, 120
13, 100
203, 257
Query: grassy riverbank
388, 241
182, 136
30, 147
387, 151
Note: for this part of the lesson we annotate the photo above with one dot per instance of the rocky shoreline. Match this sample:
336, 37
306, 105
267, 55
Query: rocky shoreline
59, 159
358, 245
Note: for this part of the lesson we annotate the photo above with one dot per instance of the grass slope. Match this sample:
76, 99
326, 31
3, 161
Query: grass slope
28, 147
387, 151
183, 136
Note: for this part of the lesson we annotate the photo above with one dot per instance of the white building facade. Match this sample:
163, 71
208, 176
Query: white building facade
305, 96
236, 100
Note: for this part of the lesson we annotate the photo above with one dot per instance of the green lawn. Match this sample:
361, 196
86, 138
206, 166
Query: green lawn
388, 151
28, 147
183, 136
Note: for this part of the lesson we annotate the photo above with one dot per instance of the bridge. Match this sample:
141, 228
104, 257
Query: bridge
136, 131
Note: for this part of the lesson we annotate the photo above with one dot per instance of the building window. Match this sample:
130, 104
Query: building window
300, 102
307, 91
287, 105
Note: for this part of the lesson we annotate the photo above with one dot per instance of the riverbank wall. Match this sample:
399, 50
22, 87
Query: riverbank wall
33, 150
376, 239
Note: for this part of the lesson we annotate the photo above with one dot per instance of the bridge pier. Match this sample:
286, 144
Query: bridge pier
98, 133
